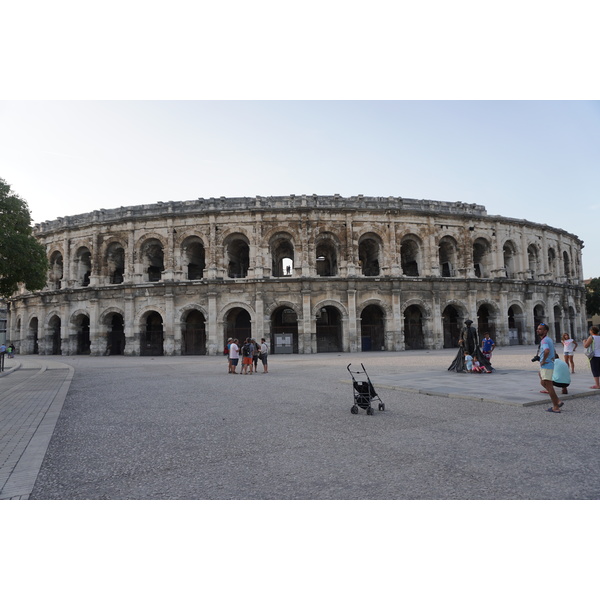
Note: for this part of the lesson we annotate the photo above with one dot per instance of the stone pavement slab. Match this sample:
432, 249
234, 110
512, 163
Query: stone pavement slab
31, 399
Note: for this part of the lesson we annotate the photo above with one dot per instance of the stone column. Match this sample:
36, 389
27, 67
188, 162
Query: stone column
213, 342
169, 323
307, 321
130, 330
353, 332
97, 344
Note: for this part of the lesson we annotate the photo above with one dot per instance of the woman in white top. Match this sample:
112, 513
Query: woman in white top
595, 360
569, 346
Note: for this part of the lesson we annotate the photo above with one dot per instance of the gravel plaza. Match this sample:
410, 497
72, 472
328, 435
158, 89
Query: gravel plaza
182, 428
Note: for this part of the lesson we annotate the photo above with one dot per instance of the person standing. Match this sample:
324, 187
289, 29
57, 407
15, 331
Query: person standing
594, 340
547, 355
569, 346
487, 346
234, 356
264, 352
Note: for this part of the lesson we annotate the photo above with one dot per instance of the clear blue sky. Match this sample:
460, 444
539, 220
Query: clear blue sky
536, 160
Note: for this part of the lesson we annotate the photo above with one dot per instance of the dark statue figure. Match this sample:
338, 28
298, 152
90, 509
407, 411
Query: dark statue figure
468, 341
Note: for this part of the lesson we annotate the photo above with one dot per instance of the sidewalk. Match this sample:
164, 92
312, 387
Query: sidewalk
32, 393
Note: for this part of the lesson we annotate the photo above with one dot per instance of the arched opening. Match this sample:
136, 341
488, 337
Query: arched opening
485, 321
481, 258
538, 317
326, 259
54, 342
284, 331
151, 336
194, 334
448, 256
552, 262
558, 328
451, 326
510, 261
55, 274
83, 265
194, 258
410, 257
368, 256
413, 328
516, 325
238, 324
567, 264
153, 260
238, 258
116, 335
81, 325
32, 336
533, 261
115, 263
372, 328
282, 256
329, 330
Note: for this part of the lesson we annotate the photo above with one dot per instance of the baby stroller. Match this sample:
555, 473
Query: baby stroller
364, 392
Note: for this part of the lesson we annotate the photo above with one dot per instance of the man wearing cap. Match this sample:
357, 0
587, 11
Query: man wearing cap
547, 354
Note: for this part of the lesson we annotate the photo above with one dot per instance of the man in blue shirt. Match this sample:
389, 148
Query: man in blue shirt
547, 354
487, 346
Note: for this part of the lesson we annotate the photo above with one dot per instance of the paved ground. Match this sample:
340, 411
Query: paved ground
181, 428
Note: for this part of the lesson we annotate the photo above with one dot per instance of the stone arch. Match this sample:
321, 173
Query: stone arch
285, 326
82, 260
329, 302
448, 254
193, 330
282, 250
151, 251
193, 257
510, 254
151, 331
236, 257
56, 268
534, 265
487, 319
411, 255
370, 253
329, 325
113, 260
327, 254
185, 310
79, 332
373, 320
425, 308
483, 262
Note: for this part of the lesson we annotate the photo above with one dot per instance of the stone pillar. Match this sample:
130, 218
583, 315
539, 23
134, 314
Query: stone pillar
97, 343
213, 342
132, 339
395, 336
353, 329
169, 323
307, 321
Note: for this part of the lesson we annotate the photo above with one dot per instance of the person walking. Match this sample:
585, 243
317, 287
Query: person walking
547, 355
569, 346
594, 341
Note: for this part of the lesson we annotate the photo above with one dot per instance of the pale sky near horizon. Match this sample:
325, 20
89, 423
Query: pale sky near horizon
534, 160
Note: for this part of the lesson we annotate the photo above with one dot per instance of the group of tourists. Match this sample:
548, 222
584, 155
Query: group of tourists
250, 351
554, 372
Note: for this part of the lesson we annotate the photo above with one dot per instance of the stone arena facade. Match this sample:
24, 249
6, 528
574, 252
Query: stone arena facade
308, 273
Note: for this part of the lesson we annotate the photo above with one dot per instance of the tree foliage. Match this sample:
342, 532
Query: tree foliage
592, 297
22, 258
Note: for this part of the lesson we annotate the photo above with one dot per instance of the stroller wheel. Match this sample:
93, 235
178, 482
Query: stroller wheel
370, 411
381, 406
354, 410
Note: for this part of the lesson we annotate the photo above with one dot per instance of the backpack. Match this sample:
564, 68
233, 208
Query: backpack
246, 350
226, 351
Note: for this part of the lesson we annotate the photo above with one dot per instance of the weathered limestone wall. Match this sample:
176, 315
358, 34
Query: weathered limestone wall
421, 267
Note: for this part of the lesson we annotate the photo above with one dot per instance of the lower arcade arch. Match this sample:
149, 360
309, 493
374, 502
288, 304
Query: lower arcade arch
152, 335
372, 328
414, 339
284, 331
516, 325
452, 326
80, 335
329, 330
485, 321
53, 338
32, 336
115, 336
193, 334
238, 324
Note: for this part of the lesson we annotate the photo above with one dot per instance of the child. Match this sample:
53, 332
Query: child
468, 362
569, 346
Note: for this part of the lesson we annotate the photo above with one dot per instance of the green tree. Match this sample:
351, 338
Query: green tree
592, 297
22, 258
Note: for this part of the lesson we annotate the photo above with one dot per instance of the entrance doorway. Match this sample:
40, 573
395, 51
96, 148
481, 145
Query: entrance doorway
194, 334
372, 328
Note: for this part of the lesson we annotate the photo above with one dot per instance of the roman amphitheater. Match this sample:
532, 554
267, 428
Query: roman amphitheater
308, 273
